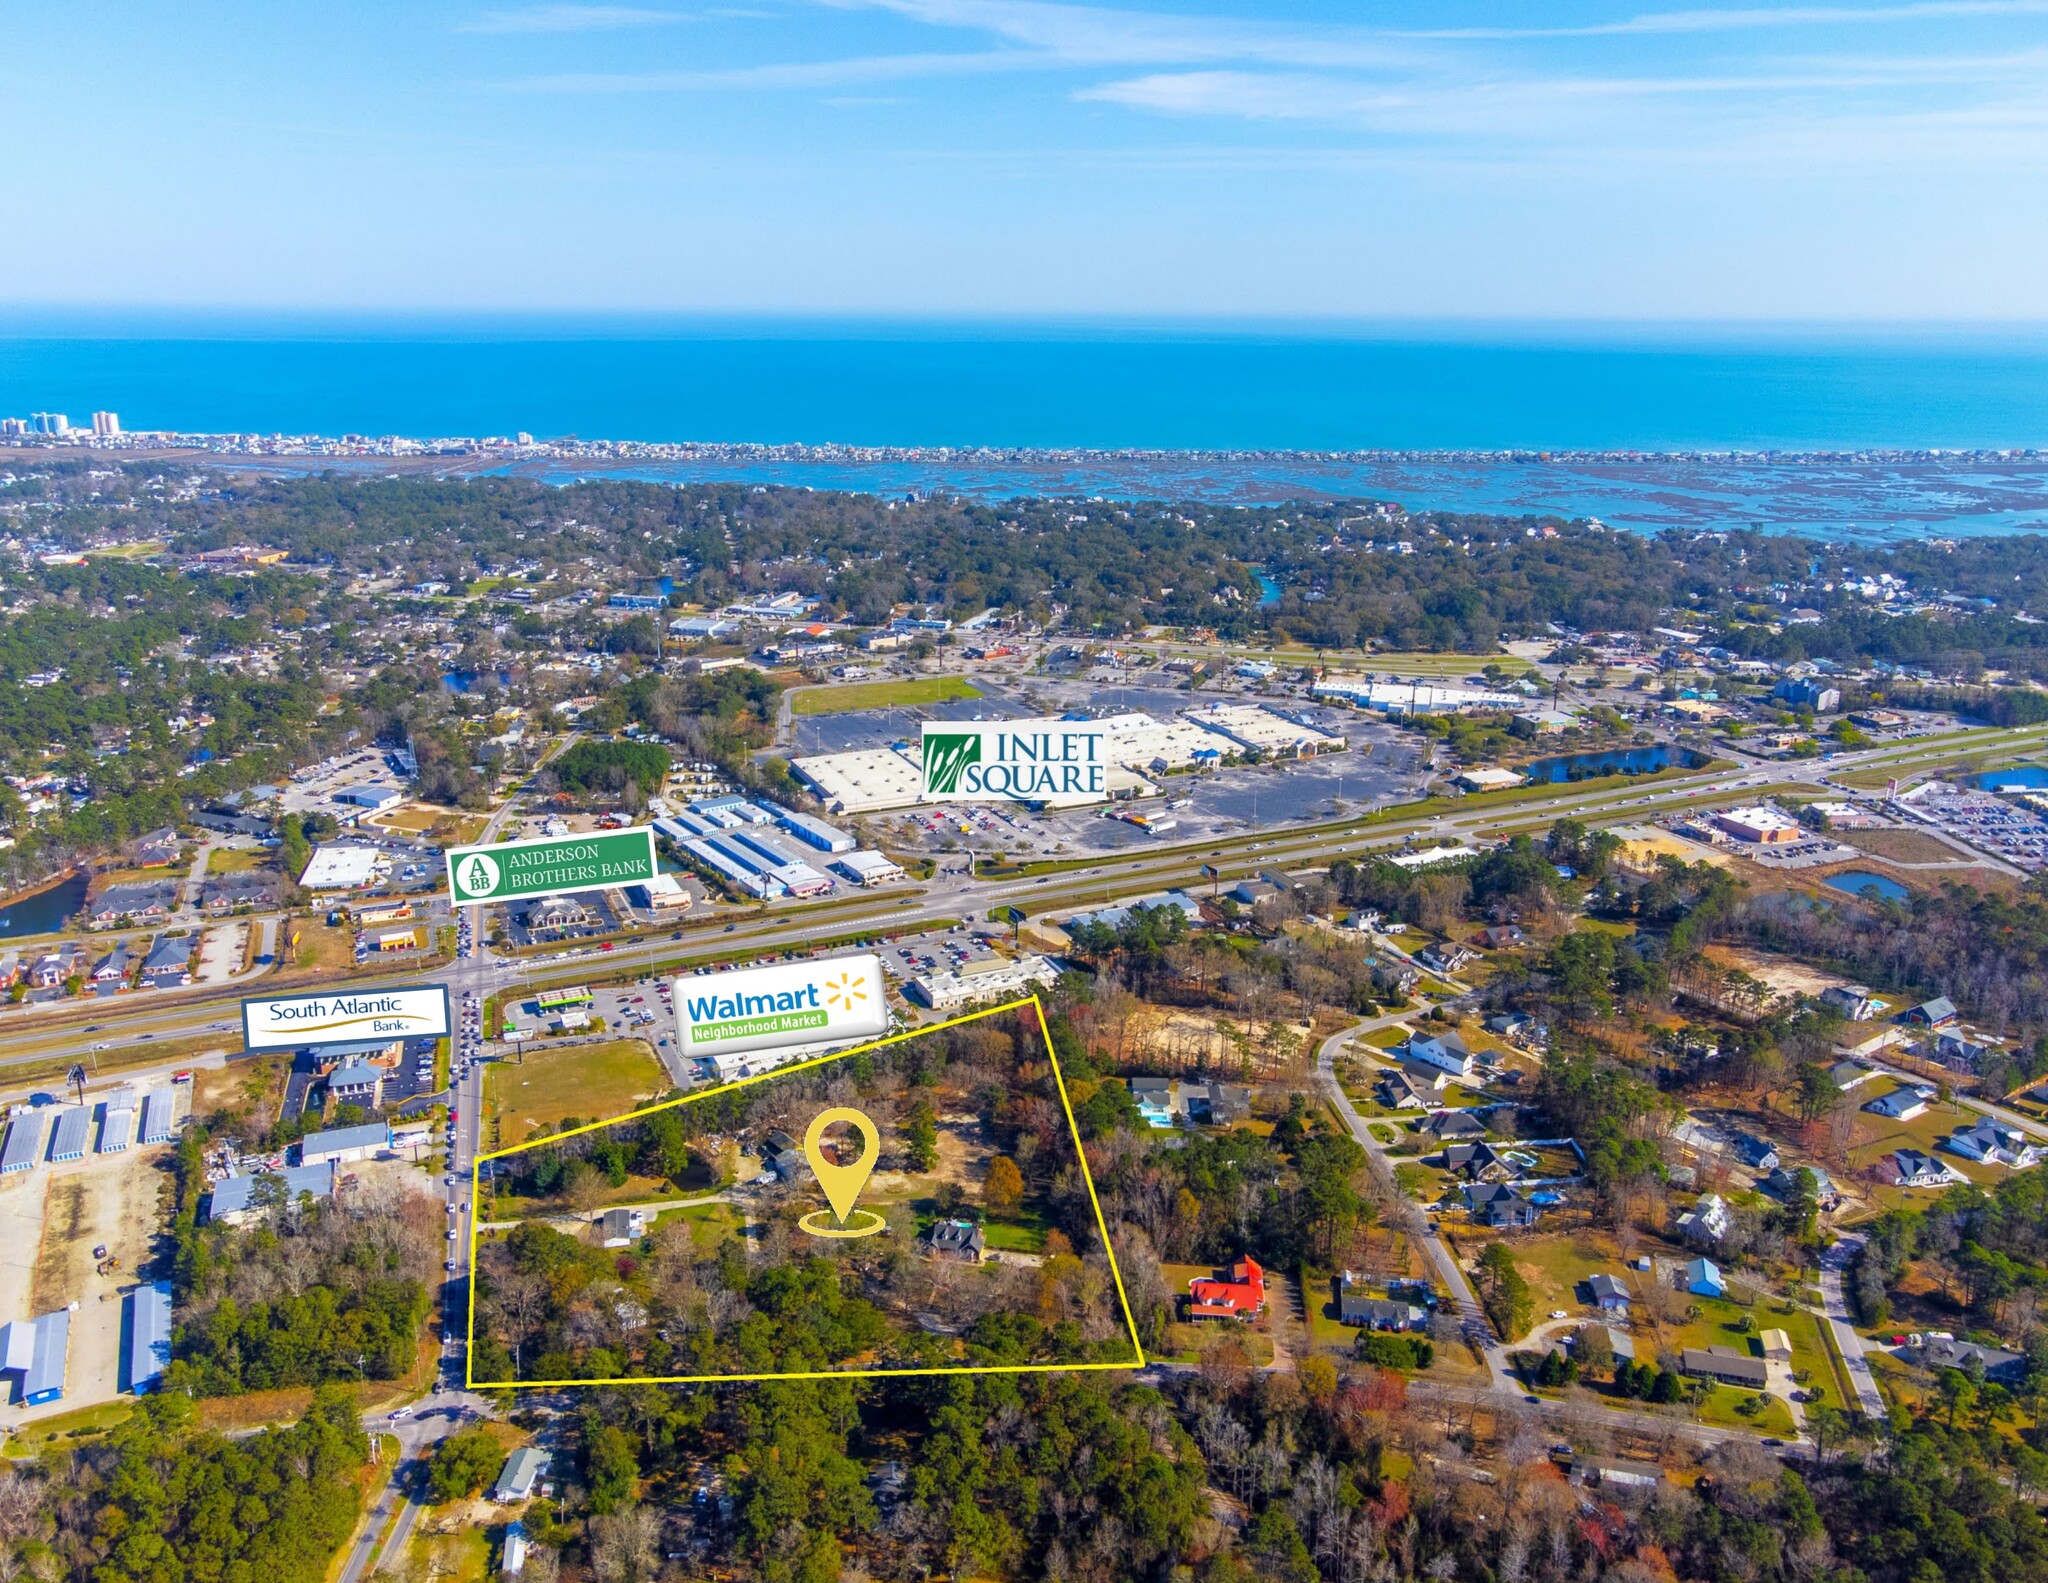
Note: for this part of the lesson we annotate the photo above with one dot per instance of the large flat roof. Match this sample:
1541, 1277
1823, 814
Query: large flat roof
338, 867
370, 1134
237, 1193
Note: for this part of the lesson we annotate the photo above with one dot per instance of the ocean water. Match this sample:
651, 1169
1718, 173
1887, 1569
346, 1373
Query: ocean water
1252, 413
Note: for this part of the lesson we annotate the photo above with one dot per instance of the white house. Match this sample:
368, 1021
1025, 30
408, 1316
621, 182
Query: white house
1444, 1051
1901, 1104
1994, 1145
1911, 1168
1707, 1219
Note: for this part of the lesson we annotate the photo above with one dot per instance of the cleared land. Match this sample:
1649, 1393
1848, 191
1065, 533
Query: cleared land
882, 695
551, 1083
1902, 846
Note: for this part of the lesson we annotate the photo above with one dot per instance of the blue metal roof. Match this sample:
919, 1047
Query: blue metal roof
158, 1107
73, 1123
43, 1381
24, 1148
149, 1335
117, 1126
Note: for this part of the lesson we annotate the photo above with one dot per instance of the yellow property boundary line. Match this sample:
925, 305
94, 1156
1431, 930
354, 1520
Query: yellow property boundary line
1073, 1130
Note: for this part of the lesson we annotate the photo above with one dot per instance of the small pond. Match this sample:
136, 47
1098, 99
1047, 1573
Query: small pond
47, 911
1859, 883
2023, 777
1614, 761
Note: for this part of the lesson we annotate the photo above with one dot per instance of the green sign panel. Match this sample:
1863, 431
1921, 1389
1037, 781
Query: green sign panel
551, 866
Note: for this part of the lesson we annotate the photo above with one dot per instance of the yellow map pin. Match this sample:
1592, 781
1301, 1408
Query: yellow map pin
842, 1183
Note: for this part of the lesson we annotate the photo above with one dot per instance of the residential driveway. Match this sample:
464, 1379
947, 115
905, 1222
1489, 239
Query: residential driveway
1832, 1263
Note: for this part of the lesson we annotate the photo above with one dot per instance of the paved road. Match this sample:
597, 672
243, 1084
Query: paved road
1502, 1387
1449, 1275
425, 1426
1832, 1263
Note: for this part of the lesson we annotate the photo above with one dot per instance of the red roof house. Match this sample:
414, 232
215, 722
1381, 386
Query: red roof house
1239, 1293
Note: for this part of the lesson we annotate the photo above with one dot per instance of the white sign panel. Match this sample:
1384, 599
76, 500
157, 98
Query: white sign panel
292, 1022
1032, 761
761, 1008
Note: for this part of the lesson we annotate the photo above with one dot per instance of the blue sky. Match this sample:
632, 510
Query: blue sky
1220, 157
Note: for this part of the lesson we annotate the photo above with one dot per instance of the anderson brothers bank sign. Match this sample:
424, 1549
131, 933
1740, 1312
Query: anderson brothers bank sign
1029, 761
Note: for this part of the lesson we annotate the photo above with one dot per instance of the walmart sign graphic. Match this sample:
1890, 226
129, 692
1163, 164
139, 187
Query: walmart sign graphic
790, 1003
1014, 761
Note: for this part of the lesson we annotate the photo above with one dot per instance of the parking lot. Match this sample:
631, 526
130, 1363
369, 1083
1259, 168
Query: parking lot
943, 951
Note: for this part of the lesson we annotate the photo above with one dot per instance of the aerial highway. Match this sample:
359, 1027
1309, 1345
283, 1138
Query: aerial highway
97, 1027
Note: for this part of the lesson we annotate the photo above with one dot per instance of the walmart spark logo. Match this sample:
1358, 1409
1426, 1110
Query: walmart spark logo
844, 992
946, 757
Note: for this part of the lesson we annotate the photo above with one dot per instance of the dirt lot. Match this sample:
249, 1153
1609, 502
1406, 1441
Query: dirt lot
1782, 974
21, 1233
1646, 843
109, 1199
222, 952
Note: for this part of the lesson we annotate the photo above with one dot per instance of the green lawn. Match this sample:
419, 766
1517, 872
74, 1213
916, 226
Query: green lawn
548, 1083
709, 1223
86, 1423
1813, 1355
235, 860
1554, 1267
838, 700
1023, 1232
1720, 1408
1878, 1136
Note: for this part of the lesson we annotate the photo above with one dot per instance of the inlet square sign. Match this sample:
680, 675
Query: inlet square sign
759, 1008
295, 1022
550, 866
1032, 761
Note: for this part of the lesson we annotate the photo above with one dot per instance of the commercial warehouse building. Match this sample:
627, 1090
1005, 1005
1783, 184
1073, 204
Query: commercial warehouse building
662, 894
1414, 698
233, 1199
345, 1145
23, 1150
335, 867
1266, 731
149, 1335
39, 1351
158, 1107
868, 868
117, 1124
1141, 742
864, 781
814, 832
74, 1126
374, 799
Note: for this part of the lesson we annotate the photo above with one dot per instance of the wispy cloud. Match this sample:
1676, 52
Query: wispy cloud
1079, 35
1740, 18
570, 19
850, 71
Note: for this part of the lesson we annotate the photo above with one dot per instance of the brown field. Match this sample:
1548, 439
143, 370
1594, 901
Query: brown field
1783, 974
1904, 846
